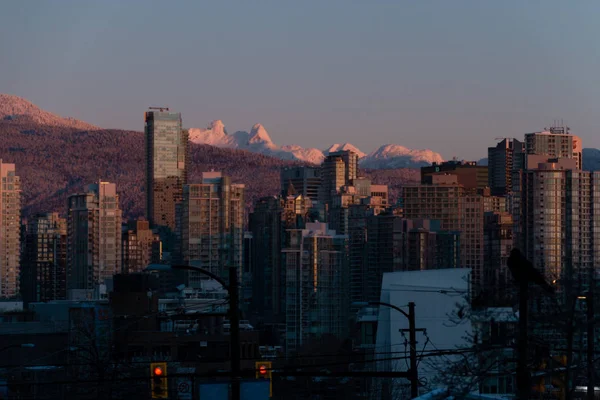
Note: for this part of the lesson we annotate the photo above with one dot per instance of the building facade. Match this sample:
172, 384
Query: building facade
444, 199
555, 142
469, 174
316, 286
558, 220
93, 237
305, 180
501, 163
43, 271
167, 161
339, 168
212, 225
10, 230
498, 243
141, 247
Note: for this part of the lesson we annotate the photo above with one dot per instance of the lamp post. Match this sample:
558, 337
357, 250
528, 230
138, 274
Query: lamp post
234, 315
412, 331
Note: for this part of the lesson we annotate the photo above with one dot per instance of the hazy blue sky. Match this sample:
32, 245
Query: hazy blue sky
445, 75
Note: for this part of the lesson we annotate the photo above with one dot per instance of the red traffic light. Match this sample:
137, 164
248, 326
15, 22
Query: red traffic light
158, 371
262, 370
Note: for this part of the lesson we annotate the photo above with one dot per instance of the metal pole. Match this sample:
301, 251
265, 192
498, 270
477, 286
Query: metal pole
234, 334
570, 334
590, 339
414, 373
523, 386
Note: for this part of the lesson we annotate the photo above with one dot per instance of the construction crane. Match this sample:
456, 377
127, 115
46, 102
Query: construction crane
161, 109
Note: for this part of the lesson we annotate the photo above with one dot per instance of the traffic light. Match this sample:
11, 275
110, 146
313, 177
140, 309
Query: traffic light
264, 371
159, 388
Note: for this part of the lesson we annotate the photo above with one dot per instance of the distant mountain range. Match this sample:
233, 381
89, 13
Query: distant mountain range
57, 156
258, 140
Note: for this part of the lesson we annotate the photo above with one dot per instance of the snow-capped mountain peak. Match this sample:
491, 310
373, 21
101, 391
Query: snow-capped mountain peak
259, 134
396, 156
258, 140
343, 147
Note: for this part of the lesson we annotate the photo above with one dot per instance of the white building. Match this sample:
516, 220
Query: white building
438, 296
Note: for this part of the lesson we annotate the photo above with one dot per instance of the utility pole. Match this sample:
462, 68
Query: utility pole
414, 373
590, 340
412, 342
234, 333
523, 385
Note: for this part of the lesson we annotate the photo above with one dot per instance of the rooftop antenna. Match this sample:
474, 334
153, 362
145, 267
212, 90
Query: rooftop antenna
161, 109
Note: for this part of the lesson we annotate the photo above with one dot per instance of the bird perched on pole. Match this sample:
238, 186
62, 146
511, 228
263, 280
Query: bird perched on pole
523, 271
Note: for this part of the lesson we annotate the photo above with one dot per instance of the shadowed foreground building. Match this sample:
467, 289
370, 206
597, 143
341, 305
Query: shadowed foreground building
10, 230
141, 247
93, 237
271, 218
43, 274
316, 286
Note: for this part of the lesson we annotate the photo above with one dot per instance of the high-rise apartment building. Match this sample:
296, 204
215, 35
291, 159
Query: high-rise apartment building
501, 161
10, 230
472, 176
93, 237
394, 243
498, 243
271, 218
141, 247
556, 142
212, 225
443, 198
43, 270
558, 220
338, 169
360, 194
166, 165
316, 285
421, 244
305, 181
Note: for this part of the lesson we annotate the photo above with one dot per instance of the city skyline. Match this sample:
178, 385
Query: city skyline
448, 80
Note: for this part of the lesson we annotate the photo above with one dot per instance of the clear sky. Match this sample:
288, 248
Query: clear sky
448, 75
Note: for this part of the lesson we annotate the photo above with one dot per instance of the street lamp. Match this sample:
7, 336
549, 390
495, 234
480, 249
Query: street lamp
414, 373
234, 315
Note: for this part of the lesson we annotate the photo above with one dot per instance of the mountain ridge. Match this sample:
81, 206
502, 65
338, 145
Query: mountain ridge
17, 108
58, 159
258, 140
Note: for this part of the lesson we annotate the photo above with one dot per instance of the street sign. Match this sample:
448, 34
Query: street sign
184, 388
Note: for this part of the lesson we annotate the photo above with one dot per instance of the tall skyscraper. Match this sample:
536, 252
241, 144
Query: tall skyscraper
167, 161
212, 225
271, 218
141, 246
43, 271
10, 230
498, 242
559, 220
338, 169
93, 237
501, 161
316, 281
556, 142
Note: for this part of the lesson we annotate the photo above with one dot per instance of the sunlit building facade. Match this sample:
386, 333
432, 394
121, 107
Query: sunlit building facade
10, 230
166, 165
